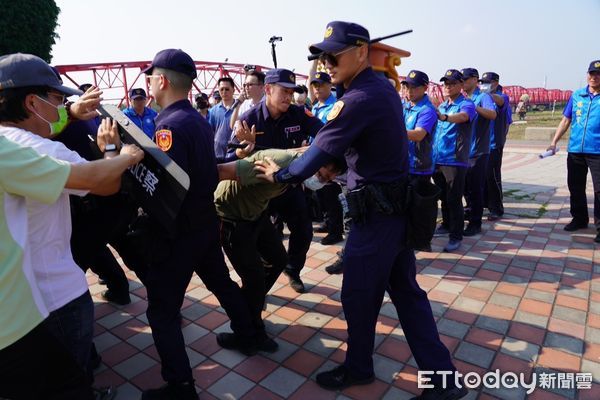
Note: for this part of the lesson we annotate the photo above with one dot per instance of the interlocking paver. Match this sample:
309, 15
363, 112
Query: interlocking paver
474, 354
283, 381
520, 349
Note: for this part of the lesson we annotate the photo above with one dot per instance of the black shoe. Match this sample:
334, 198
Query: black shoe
597, 238
231, 341
268, 345
493, 217
172, 391
331, 239
452, 245
295, 281
472, 230
453, 393
340, 378
574, 225
336, 268
104, 393
321, 229
119, 299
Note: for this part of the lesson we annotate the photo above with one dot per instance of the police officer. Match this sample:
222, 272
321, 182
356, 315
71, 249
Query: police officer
582, 114
367, 128
141, 115
480, 148
452, 145
186, 137
498, 131
284, 126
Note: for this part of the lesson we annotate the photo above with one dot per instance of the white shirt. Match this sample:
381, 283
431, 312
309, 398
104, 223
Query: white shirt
60, 280
248, 104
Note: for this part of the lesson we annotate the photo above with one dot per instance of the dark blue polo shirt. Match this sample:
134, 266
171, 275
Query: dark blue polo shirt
480, 140
288, 131
193, 150
367, 127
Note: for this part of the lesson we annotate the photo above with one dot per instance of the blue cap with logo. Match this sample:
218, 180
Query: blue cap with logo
339, 35
487, 77
21, 70
174, 59
320, 77
469, 73
452, 75
416, 78
594, 66
137, 93
282, 77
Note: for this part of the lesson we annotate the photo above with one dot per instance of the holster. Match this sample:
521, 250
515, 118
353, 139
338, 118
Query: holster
381, 198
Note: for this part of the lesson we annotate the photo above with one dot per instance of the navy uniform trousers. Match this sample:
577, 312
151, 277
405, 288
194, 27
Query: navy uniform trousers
166, 281
475, 183
375, 260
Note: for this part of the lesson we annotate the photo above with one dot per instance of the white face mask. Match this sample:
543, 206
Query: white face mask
313, 183
485, 87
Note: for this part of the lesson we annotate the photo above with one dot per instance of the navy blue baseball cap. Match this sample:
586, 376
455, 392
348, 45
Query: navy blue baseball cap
594, 66
282, 77
137, 93
487, 77
175, 60
339, 35
321, 77
469, 73
416, 78
22, 70
452, 75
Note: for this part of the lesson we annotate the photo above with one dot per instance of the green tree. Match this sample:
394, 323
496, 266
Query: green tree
27, 26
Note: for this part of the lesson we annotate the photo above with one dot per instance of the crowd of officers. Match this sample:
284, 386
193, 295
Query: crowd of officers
250, 162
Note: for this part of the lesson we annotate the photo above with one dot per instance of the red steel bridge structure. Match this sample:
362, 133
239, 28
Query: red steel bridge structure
116, 78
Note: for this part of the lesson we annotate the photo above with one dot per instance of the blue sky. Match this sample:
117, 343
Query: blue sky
524, 41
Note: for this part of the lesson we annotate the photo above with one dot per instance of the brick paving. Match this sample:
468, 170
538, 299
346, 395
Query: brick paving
523, 296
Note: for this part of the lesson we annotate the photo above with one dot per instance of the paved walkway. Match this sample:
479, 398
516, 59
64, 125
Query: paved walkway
524, 296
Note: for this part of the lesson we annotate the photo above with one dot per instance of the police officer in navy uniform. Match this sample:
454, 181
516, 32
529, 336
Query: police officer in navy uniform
366, 127
285, 126
186, 137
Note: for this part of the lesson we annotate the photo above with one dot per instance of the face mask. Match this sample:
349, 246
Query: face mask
63, 118
485, 87
313, 183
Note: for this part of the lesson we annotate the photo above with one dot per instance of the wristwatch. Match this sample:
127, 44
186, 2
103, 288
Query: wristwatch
110, 147
445, 117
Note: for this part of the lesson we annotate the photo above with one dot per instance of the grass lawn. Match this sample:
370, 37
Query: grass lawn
535, 119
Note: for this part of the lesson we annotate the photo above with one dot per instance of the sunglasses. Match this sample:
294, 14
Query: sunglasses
332, 58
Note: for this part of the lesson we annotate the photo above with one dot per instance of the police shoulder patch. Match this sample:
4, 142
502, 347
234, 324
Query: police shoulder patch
164, 139
335, 111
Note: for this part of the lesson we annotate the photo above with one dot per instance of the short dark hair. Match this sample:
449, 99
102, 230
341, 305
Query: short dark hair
303, 88
259, 75
12, 102
338, 165
226, 79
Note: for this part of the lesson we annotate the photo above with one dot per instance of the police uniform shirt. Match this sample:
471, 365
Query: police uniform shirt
452, 142
187, 138
366, 127
480, 144
499, 129
288, 131
421, 115
322, 110
248, 197
145, 121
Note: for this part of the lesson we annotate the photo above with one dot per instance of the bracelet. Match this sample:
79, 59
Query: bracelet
446, 117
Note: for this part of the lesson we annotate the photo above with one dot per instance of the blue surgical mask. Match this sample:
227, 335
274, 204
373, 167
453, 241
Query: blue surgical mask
313, 183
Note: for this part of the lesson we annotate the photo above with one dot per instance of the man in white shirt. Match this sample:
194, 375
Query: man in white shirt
31, 99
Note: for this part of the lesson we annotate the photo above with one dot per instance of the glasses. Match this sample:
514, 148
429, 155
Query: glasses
332, 58
57, 96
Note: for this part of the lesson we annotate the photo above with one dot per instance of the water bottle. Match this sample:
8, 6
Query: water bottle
549, 153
